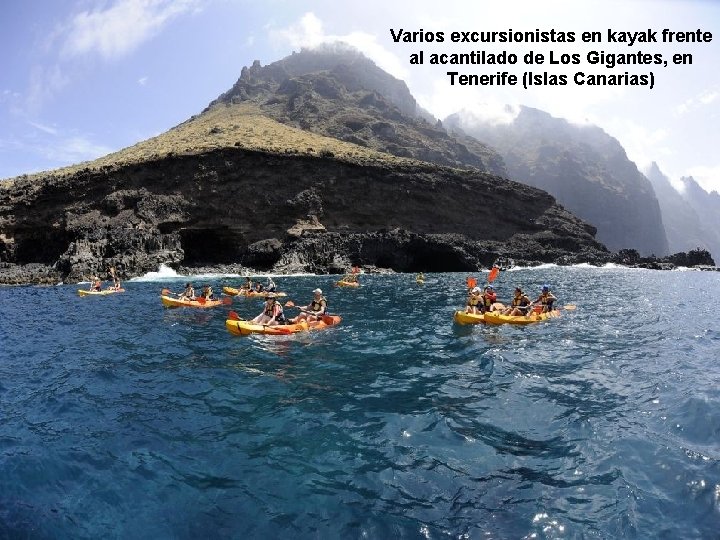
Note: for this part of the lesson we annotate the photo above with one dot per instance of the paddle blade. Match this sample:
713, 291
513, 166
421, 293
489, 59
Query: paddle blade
493, 274
227, 301
234, 316
471, 282
570, 307
200, 300
165, 292
289, 303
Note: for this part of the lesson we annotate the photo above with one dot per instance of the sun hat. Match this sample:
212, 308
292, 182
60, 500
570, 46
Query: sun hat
319, 291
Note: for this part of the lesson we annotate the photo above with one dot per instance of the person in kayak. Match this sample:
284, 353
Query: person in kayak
420, 277
270, 287
315, 310
113, 275
208, 293
519, 305
259, 287
489, 297
95, 284
474, 301
546, 299
248, 286
188, 293
272, 313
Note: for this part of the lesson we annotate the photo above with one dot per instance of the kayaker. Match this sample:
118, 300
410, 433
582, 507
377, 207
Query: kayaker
519, 305
546, 299
489, 297
95, 284
272, 313
113, 275
314, 310
420, 277
188, 293
259, 287
474, 301
270, 287
248, 284
208, 293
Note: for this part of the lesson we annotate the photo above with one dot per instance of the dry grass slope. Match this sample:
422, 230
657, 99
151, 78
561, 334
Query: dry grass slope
223, 126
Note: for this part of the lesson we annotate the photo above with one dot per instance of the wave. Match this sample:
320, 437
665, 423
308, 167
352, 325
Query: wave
166, 273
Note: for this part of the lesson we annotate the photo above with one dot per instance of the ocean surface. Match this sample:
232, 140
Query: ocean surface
122, 419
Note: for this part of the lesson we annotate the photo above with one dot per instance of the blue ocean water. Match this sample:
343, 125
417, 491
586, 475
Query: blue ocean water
122, 419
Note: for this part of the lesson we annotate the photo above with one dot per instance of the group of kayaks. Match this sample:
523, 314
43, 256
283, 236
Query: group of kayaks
240, 327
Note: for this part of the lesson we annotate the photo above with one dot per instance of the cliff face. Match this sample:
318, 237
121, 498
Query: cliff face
311, 164
291, 213
681, 214
584, 168
344, 95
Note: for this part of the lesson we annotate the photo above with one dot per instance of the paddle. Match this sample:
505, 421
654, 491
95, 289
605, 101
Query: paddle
166, 292
234, 316
493, 274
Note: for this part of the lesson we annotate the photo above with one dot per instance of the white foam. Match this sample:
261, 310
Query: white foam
164, 273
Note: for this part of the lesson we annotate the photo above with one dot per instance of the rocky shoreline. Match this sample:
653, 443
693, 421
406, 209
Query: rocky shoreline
297, 262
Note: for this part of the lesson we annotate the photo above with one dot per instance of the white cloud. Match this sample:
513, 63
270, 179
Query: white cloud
142, 81
117, 30
706, 97
73, 149
42, 127
44, 83
308, 32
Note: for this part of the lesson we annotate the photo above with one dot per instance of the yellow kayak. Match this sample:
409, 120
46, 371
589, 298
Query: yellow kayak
495, 317
461, 317
202, 303
342, 283
230, 291
104, 292
245, 328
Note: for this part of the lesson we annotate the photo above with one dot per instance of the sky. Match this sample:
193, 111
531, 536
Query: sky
82, 78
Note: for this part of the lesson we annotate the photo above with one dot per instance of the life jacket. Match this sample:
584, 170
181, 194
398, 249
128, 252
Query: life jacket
319, 305
474, 300
521, 300
545, 298
97, 285
489, 299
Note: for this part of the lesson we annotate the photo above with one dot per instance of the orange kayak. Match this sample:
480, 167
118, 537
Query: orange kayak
104, 292
244, 328
495, 318
230, 291
170, 302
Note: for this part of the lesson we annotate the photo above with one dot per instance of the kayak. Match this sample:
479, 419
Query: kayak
496, 318
104, 292
244, 328
176, 302
419, 281
230, 291
342, 283
461, 317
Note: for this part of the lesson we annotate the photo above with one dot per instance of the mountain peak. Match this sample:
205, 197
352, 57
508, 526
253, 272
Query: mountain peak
338, 92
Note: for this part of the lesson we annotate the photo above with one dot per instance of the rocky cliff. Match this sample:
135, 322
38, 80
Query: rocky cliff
313, 163
266, 209
338, 92
681, 213
584, 168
